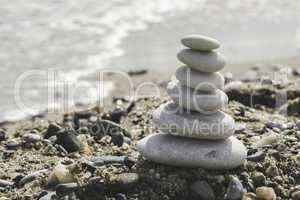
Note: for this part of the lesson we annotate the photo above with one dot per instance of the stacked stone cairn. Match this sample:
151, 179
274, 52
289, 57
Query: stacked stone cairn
193, 131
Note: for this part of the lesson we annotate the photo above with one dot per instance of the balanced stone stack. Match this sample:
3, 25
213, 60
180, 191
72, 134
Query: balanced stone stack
194, 132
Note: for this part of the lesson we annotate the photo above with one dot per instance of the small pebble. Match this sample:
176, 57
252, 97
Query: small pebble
4, 183
121, 196
259, 179
203, 190
66, 188
249, 196
296, 195
31, 177
117, 139
257, 156
272, 171
68, 140
267, 140
2, 135
265, 193
31, 137
235, 189
124, 182
52, 130
13, 144
48, 196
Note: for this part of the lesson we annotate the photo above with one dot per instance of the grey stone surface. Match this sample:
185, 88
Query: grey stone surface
202, 61
206, 103
200, 42
171, 119
203, 190
186, 152
199, 80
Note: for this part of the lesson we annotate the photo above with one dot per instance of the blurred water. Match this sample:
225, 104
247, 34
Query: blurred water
78, 38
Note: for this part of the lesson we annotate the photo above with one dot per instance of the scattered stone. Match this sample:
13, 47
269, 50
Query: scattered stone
60, 174
259, 179
272, 171
203, 190
31, 138
52, 130
190, 99
68, 140
137, 72
171, 119
200, 42
202, 61
267, 140
105, 127
249, 196
2, 135
31, 177
123, 182
103, 160
4, 183
115, 115
265, 193
49, 196
13, 144
186, 152
257, 156
117, 139
296, 195
199, 80
66, 188
121, 196
235, 189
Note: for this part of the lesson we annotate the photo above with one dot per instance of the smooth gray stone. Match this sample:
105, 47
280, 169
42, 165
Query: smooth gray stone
186, 152
206, 103
200, 42
202, 61
171, 119
200, 80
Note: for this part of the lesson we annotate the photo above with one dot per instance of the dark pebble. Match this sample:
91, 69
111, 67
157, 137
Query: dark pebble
120, 196
235, 189
8, 153
105, 127
259, 179
130, 107
67, 188
115, 115
137, 72
81, 115
49, 196
257, 156
13, 144
31, 177
4, 183
117, 139
272, 125
52, 130
124, 182
203, 190
2, 135
68, 140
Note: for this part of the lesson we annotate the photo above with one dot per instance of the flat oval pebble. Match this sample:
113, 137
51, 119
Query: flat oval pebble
200, 42
171, 119
200, 80
186, 152
202, 61
206, 103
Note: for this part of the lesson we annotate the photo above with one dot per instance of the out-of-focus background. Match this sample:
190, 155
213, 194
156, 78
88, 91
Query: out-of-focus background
80, 37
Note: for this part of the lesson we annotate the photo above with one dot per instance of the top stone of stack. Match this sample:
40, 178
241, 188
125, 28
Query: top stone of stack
199, 42
200, 55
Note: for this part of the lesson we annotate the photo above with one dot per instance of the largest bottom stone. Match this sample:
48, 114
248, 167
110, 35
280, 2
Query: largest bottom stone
186, 152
